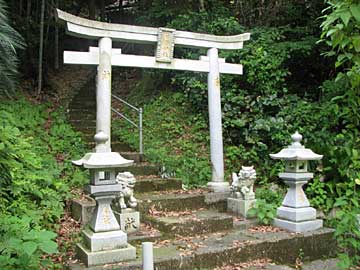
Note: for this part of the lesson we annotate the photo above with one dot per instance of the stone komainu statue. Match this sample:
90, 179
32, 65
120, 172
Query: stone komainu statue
242, 186
126, 197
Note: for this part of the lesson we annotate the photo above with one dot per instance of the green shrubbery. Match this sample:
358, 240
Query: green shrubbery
173, 138
36, 147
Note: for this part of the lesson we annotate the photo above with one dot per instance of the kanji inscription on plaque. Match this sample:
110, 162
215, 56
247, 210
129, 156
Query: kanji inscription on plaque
165, 46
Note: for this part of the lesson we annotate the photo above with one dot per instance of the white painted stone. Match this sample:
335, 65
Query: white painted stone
126, 198
129, 221
127, 60
93, 29
217, 183
298, 227
295, 196
103, 161
92, 189
242, 186
103, 92
296, 214
96, 50
147, 256
206, 59
239, 206
103, 219
104, 240
102, 176
105, 257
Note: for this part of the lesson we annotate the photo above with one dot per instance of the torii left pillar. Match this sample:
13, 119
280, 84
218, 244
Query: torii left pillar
217, 183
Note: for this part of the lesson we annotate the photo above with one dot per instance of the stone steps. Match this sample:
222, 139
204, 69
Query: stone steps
157, 184
116, 146
83, 208
171, 202
324, 264
208, 251
189, 223
79, 123
139, 169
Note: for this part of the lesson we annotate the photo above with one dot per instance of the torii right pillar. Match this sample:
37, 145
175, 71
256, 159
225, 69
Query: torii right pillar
218, 183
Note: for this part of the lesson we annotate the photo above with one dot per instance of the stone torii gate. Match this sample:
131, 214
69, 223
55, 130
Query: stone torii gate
104, 56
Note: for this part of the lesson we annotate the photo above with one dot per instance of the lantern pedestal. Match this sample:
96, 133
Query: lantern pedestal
91, 258
295, 214
298, 227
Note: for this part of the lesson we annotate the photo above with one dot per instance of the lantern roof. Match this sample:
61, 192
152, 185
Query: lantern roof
103, 160
296, 151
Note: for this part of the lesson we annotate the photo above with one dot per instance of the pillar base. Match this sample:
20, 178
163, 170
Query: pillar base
104, 240
240, 207
296, 214
105, 257
298, 227
129, 220
219, 186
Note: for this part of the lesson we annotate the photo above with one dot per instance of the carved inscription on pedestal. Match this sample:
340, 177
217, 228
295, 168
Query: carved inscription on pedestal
106, 215
165, 46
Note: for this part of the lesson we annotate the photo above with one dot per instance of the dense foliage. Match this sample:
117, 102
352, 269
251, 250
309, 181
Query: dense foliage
10, 41
36, 147
340, 28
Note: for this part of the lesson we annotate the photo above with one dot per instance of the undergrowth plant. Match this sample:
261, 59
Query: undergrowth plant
174, 138
36, 147
267, 201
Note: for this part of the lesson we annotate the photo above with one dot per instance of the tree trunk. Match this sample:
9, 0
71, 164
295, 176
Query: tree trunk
92, 9
56, 45
49, 12
102, 10
42, 15
202, 5
28, 10
20, 7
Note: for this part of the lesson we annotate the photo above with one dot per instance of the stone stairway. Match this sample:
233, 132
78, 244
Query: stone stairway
82, 116
191, 229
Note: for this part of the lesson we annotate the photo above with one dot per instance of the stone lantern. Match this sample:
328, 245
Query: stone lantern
295, 213
103, 233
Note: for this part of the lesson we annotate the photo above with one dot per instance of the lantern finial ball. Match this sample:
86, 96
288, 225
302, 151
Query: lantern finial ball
297, 137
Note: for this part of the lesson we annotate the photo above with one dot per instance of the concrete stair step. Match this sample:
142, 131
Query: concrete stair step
116, 146
81, 116
87, 130
83, 101
145, 234
83, 123
171, 201
135, 156
90, 108
157, 184
143, 168
82, 110
189, 223
324, 264
208, 251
